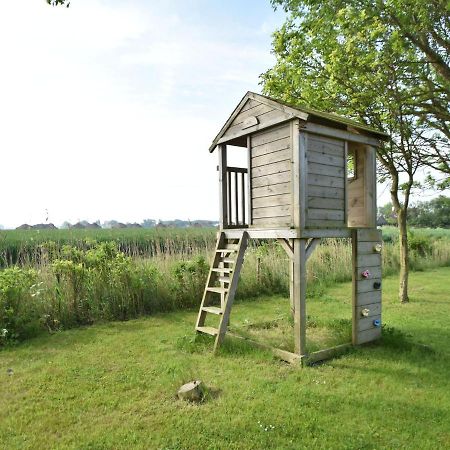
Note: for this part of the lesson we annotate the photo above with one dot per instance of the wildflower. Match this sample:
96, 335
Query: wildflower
4, 332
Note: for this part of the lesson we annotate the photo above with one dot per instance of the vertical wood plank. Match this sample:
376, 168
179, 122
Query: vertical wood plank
243, 197
249, 179
354, 288
236, 197
371, 185
296, 194
291, 280
230, 216
303, 174
223, 185
346, 182
299, 270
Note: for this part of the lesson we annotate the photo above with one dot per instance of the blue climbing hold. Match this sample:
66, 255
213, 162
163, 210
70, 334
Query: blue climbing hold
377, 323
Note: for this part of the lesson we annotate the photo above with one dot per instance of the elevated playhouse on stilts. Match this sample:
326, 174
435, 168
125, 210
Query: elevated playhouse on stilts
309, 176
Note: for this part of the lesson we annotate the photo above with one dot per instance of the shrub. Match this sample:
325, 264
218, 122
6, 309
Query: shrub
19, 315
420, 245
189, 279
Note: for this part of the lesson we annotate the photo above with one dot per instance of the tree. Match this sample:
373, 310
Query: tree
59, 2
434, 213
346, 57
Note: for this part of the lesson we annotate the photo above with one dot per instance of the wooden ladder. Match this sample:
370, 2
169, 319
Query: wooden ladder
221, 285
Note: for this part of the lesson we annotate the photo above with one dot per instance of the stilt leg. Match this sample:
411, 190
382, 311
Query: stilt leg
299, 296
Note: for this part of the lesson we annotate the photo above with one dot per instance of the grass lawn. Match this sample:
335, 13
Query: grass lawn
113, 386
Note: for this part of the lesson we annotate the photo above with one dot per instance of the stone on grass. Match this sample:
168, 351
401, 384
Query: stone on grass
192, 392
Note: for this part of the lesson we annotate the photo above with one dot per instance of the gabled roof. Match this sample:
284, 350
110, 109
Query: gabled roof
290, 111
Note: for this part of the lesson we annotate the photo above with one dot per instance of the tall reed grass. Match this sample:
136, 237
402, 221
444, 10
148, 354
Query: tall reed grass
28, 247
73, 285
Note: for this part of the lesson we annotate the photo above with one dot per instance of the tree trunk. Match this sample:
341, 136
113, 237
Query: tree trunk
404, 260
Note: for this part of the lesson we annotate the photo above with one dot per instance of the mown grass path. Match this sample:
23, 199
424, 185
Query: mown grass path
113, 385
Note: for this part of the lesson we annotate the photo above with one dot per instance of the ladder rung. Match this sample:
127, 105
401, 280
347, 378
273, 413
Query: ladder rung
222, 270
226, 250
219, 290
225, 279
231, 245
212, 310
208, 330
228, 260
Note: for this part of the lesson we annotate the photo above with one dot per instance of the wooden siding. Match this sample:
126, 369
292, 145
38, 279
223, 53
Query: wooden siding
325, 182
271, 177
252, 117
366, 297
362, 190
357, 208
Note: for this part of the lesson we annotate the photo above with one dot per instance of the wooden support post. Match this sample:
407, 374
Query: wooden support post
224, 219
288, 246
312, 244
291, 279
299, 296
249, 179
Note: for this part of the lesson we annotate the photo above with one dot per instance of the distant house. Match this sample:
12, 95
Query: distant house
24, 226
118, 225
78, 226
93, 226
381, 221
44, 226
133, 225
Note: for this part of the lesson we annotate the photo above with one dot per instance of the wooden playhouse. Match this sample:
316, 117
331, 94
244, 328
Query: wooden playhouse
309, 176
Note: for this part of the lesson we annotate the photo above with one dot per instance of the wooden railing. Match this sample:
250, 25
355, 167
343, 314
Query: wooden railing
236, 195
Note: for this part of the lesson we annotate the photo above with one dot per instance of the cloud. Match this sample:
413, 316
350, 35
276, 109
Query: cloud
108, 108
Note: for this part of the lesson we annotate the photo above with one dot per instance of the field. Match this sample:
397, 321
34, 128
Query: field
25, 246
113, 385
67, 279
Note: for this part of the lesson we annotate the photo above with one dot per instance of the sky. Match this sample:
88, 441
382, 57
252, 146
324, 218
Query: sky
107, 108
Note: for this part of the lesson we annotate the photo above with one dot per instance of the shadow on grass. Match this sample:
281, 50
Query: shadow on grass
398, 356
231, 347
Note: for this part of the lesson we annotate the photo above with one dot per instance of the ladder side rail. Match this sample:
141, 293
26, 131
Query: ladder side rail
231, 290
211, 276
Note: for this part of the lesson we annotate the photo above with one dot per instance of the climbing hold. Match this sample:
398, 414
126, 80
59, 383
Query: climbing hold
376, 285
377, 323
365, 312
377, 248
365, 274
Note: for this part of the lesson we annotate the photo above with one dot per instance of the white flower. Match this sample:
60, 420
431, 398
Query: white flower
4, 332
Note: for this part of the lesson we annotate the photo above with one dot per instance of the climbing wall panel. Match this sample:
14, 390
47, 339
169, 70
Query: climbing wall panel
367, 246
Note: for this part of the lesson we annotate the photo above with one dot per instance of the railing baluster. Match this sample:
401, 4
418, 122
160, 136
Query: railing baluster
236, 204
236, 198
230, 218
243, 197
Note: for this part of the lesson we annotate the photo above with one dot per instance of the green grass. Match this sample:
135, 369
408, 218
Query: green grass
23, 247
113, 385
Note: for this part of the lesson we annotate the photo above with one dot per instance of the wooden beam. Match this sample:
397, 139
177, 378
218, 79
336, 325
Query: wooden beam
295, 184
260, 126
249, 180
299, 294
325, 233
274, 104
340, 134
224, 219
263, 233
289, 357
312, 244
287, 247
346, 181
326, 353
303, 175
